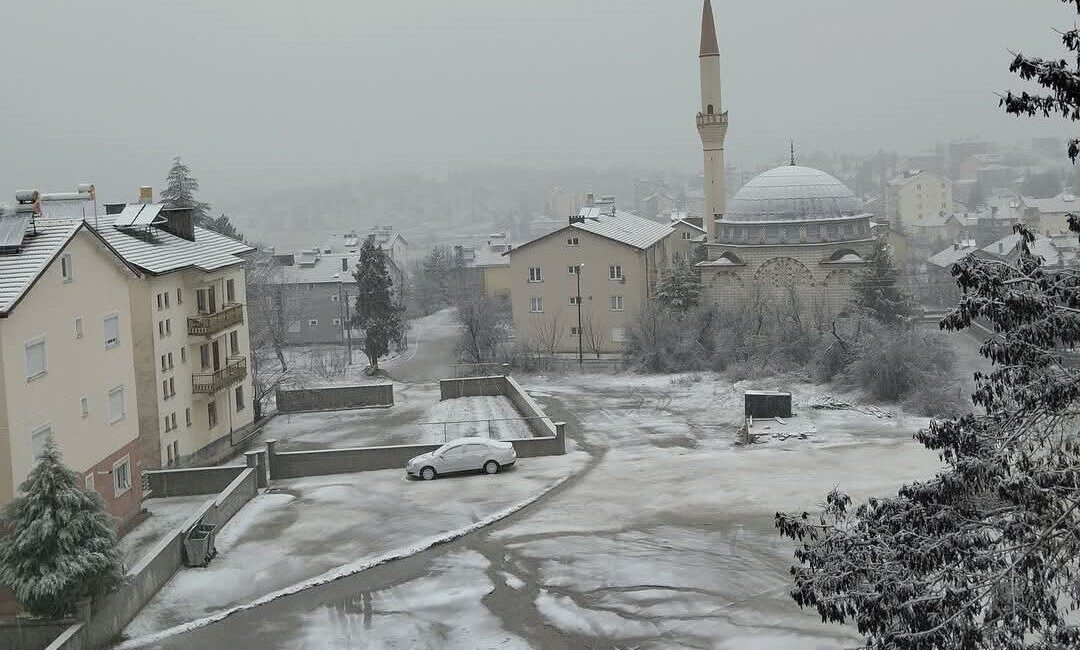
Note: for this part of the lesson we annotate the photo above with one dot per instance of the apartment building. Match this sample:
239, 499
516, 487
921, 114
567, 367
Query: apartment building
484, 265
917, 195
191, 350
67, 343
618, 258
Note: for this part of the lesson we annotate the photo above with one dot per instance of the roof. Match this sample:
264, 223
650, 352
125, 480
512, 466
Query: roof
163, 252
19, 271
1064, 202
792, 193
952, 254
708, 32
623, 227
684, 222
324, 268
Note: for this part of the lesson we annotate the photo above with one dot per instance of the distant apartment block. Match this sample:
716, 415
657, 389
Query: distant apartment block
916, 196
486, 265
619, 258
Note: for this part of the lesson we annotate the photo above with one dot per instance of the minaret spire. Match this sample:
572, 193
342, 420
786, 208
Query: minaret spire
712, 122
708, 32
793, 152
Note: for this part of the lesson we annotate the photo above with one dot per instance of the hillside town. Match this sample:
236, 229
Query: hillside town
807, 400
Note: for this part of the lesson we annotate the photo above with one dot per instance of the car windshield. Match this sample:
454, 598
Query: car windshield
442, 450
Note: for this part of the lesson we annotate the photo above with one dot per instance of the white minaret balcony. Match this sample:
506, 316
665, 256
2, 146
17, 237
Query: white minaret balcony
710, 119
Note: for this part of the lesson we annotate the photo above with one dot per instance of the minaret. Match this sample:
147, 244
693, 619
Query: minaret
712, 122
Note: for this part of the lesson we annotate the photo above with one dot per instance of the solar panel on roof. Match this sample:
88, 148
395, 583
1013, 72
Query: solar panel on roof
127, 217
12, 230
147, 214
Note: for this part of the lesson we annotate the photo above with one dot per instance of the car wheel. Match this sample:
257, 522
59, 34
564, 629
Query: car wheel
428, 473
491, 467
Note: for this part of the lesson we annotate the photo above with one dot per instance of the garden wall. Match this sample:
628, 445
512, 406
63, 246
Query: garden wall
334, 398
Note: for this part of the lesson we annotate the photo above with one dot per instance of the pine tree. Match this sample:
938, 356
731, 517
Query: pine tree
179, 192
223, 226
379, 319
63, 547
680, 289
876, 292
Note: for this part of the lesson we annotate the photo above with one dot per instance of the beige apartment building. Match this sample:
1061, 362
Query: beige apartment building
66, 357
916, 196
188, 311
619, 256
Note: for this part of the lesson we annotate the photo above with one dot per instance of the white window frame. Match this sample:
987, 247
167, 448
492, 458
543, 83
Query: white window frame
573, 241
615, 272
616, 303
78, 328
334, 297
312, 323
33, 343
113, 342
67, 271
121, 481
575, 301
45, 429
336, 322
686, 235
573, 330
238, 398
536, 305
123, 405
187, 416
536, 274
84, 406
572, 270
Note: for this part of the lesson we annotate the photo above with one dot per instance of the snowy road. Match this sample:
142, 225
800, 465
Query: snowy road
664, 541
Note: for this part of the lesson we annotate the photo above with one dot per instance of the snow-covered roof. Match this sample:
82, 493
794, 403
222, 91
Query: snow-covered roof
156, 251
324, 268
1064, 202
627, 228
952, 254
684, 222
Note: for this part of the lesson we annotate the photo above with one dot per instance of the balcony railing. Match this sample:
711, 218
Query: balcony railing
209, 324
234, 370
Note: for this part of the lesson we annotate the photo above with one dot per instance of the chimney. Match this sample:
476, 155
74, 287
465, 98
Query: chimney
590, 200
956, 246
180, 222
146, 194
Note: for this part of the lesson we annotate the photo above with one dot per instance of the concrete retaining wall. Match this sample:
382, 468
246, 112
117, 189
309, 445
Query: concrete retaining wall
335, 398
110, 615
193, 480
29, 633
505, 386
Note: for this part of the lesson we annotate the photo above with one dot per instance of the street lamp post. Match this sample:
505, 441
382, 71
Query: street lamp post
580, 346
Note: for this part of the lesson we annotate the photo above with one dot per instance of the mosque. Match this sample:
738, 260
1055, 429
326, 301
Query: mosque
792, 235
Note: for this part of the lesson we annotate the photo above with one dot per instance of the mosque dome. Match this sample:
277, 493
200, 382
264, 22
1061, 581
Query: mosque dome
792, 193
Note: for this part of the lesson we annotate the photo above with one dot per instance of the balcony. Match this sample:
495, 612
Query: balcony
234, 370
210, 324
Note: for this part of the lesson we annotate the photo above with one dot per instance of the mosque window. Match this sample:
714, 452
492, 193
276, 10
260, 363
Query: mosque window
782, 232
802, 233
710, 109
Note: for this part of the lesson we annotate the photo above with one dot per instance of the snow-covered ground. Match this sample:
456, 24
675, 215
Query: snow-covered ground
165, 516
417, 417
305, 527
665, 540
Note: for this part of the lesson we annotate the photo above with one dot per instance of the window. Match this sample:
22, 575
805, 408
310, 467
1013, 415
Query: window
179, 297
313, 323
89, 481
187, 416
535, 275
211, 414
112, 331
161, 329
234, 343
168, 327
334, 297
172, 416
78, 328
311, 286
615, 272
204, 355
167, 427
183, 355
116, 405
572, 270
230, 291
168, 451
172, 387
176, 451
200, 301
337, 322
536, 305
121, 472
160, 303
170, 361
686, 235
66, 270
240, 398
574, 331
571, 241
616, 303
84, 406
38, 438
164, 389
164, 367
35, 359
166, 294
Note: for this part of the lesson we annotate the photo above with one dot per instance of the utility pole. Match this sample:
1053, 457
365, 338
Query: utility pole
580, 346
348, 329
341, 312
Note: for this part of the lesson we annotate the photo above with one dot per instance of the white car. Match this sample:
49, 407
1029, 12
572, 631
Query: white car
463, 455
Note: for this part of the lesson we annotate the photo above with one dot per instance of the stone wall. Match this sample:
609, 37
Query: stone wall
192, 480
499, 385
334, 398
109, 616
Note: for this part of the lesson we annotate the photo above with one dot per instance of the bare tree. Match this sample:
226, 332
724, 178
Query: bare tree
269, 312
545, 332
595, 335
483, 326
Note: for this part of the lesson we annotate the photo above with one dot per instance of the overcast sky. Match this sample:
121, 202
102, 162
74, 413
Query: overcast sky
257, 93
